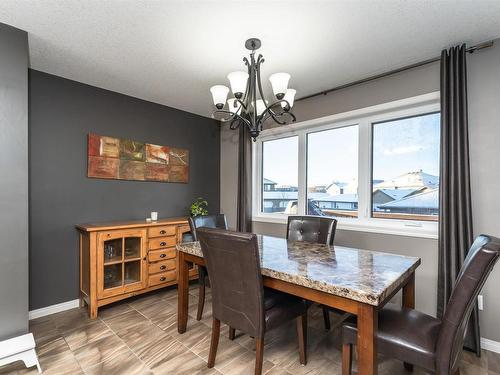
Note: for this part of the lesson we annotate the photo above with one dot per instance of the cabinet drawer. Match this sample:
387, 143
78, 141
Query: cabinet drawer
158, 243
168, 230
161, 278
162, 254
166, 265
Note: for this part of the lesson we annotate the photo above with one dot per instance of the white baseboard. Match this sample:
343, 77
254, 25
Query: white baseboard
44, 311
492, 346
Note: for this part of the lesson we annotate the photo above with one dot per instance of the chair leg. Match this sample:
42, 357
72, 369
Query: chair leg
302, 337
201, 300
346, 359
408, 366
259, 354
214, 342
326, 318
232, 333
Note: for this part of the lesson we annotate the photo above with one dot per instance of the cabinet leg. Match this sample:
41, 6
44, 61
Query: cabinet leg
93, 311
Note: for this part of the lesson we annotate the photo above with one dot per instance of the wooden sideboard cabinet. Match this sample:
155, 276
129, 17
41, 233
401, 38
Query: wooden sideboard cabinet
122, 259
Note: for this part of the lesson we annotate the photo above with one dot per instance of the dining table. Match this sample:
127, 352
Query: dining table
353, 280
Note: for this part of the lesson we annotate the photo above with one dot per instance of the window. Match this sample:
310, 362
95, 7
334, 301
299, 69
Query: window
375, 169
332, 172
405, 182
280, 176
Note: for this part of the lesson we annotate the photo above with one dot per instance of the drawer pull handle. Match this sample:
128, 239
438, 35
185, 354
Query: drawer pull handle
163, 255
163, 267
163, 278
162, 231
163, 243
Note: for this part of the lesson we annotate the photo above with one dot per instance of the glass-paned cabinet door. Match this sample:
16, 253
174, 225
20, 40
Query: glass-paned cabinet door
112, 275
132, 272
113, 250
133, 247
121, 262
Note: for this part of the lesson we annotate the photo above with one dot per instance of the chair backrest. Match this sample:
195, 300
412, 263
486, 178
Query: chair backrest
207, 221
233, 262
478, 264
315, 229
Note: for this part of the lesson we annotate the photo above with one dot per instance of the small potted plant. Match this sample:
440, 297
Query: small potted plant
199, 207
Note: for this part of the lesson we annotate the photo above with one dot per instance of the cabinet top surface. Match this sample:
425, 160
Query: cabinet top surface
110, 225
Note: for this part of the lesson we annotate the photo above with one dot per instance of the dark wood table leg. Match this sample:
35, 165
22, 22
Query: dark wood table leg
409, 293
367, 342
409, 302
182, 290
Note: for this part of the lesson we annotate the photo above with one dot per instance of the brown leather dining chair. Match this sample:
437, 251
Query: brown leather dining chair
238, 296
317, 229
208, 221
422, 340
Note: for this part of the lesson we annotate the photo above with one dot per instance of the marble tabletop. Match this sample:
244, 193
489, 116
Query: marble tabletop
361, 275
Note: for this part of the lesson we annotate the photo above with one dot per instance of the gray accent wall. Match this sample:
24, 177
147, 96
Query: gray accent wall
484, 128
62, 113
13, 182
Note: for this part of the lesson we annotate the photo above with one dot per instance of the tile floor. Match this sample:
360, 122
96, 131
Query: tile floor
139, 336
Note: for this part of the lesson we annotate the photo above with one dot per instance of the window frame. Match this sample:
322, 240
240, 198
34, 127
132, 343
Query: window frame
364, 118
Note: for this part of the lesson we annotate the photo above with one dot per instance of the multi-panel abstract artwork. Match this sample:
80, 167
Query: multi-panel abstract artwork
123, 159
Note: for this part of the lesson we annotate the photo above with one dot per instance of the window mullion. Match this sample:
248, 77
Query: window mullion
302, 183
364, 169
257, 177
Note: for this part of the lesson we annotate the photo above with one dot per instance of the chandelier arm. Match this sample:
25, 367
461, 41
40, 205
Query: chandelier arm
286, 108
234, 116
253, 91
269, 109
259, 61
242, 104
223, 112
273, 115
248, 83
277, 116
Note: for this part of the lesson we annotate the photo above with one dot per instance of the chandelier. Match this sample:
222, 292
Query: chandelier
249, 106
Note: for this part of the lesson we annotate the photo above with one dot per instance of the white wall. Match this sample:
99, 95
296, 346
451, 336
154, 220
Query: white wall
484, 132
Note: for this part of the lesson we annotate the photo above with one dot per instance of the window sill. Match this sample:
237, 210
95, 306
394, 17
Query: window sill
381, 226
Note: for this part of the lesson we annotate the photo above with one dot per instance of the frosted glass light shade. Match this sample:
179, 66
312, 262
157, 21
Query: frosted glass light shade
261, 106
289, 97
279, 81
219, 95
238, 81
232, 108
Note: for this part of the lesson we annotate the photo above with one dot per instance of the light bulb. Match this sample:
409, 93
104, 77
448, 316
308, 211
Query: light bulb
279, 81
232, 108
289, 97
238, 81
219, 95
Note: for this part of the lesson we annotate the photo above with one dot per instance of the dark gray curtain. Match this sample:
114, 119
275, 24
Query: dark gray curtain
244, 223
455, 215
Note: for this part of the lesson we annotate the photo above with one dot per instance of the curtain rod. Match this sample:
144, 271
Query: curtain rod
472, 49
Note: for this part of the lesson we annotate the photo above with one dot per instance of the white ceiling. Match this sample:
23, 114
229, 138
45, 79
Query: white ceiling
171, 52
